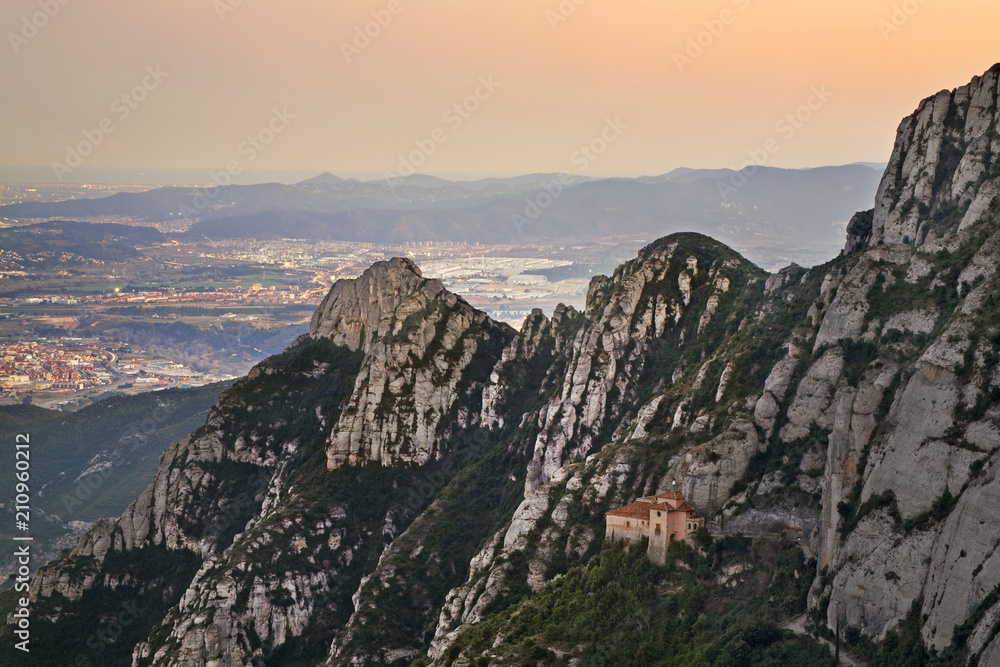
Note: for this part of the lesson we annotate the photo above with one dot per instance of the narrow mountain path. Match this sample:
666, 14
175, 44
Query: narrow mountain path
798, 626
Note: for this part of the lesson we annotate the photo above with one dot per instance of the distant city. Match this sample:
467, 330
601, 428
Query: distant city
188, 313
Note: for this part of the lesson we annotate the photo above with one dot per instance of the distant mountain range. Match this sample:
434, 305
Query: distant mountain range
773, 215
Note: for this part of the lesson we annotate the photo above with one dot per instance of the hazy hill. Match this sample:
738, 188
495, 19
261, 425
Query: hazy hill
774, 215
93, 462
49, 244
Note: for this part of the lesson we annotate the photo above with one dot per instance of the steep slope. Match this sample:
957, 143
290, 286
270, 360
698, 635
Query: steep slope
244, 522
649, 354
915, 489
419, 342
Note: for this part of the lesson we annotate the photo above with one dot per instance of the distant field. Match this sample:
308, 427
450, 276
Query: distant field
272, 310
104, 286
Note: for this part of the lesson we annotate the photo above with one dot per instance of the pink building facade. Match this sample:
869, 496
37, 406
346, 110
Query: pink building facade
663, 519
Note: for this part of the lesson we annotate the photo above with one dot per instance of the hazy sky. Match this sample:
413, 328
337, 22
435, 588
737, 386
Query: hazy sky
559, 72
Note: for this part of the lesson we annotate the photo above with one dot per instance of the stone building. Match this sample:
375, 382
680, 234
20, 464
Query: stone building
664, 518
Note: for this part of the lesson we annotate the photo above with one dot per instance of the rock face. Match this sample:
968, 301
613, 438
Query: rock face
859, 231
943, 156
411, 467
644, 302
418, 340
901, 438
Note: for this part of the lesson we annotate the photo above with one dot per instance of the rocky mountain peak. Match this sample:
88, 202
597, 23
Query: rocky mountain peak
943, 172
419, 341
356, 312
859, 231
682, 289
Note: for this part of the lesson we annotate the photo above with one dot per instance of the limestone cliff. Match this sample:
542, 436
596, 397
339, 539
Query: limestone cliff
909, 475
419, 341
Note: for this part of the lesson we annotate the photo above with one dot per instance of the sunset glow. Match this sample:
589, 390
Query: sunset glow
698, 84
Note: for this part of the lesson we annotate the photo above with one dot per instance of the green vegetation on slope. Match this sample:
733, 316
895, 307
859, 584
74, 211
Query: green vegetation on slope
105, 624
116, 442
720, 605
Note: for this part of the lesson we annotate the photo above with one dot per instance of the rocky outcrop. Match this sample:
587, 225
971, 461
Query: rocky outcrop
859, 231
707, 473
789, 275
942, 157
775, 388
814, 397
419, 340
644, 301
539, 342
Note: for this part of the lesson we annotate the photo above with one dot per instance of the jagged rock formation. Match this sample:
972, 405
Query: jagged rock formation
882, 405
412, 468
859, 231
943, 162
419, 340
644, 301
231, 496
915, 477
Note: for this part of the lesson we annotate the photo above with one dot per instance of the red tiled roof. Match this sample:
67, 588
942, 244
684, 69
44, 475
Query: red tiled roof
637, 510
643, 508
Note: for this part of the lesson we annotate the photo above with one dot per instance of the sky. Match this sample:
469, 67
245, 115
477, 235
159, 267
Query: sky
472, 88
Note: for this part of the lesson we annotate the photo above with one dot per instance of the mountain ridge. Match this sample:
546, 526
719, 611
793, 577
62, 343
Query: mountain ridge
776, 213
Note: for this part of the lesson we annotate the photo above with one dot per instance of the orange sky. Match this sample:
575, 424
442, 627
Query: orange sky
559, 81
